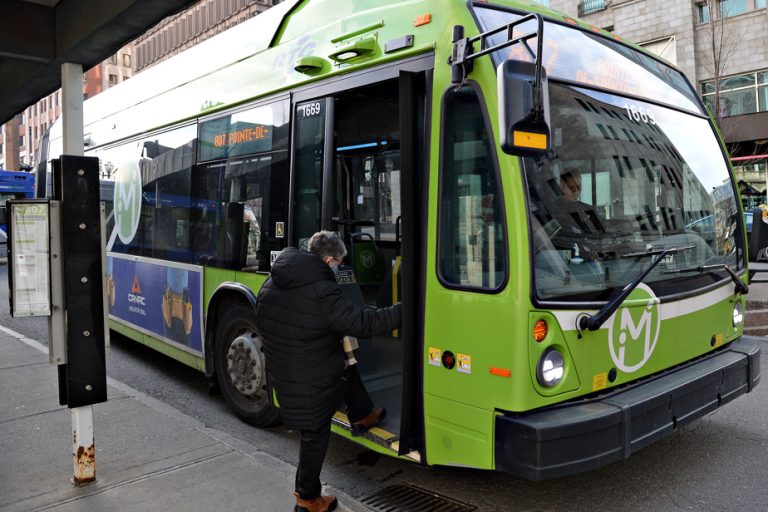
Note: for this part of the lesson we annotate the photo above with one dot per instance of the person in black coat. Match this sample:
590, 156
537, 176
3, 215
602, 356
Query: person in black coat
302, 315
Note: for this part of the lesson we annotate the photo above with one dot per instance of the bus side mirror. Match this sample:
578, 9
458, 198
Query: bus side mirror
523, 121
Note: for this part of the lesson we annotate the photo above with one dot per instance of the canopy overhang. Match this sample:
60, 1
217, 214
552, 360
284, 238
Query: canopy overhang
38, 36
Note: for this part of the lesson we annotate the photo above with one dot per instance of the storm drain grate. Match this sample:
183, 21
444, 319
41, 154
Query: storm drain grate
407, 498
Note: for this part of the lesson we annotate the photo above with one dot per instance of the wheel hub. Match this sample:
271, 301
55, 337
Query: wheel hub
245, 365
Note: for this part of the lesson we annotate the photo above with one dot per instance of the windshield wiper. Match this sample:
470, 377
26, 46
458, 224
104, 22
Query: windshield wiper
741, 286
656, 252
593, 323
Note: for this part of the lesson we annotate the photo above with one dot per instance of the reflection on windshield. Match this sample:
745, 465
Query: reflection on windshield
627, 177
590, 59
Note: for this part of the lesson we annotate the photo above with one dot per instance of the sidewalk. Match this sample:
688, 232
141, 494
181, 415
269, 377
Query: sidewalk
149, 456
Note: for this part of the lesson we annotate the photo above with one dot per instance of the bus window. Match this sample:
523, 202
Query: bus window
373, 198
471, 231
260, 184
163, 163
246, 183
206, 190
172, 207
310, 148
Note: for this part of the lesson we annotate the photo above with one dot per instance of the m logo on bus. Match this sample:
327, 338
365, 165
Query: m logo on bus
127, 199
633, 334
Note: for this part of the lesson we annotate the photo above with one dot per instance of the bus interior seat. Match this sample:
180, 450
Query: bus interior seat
367, 259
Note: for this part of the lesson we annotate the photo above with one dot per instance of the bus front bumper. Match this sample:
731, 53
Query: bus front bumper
577, 437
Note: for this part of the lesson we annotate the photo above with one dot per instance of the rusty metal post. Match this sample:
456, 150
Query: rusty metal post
83, 445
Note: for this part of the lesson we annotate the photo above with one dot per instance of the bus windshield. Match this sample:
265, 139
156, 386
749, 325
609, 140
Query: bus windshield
626, 179
593, 60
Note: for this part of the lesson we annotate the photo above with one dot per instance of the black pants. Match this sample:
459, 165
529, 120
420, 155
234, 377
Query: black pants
314, 443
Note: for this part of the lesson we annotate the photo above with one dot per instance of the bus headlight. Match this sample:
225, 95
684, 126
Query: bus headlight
738, 315
551, 368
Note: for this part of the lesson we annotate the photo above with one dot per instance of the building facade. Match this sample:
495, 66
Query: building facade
192, 26
722, 47
21, 136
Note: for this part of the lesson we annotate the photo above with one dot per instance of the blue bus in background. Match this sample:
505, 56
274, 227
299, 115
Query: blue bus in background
13, 185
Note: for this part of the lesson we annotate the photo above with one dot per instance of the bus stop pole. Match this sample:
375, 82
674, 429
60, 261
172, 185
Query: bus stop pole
83, 446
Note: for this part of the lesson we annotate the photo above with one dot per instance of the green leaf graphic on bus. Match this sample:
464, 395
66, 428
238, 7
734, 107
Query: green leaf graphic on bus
634, 331
127, 199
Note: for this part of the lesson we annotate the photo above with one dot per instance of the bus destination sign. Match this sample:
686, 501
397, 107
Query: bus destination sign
242, 133
249, 134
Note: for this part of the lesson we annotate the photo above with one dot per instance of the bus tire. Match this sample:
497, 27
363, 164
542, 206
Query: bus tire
240, 368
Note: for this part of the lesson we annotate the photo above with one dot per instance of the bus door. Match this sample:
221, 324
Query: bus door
356, 171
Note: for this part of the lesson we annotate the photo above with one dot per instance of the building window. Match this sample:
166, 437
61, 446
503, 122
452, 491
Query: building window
113, 59
590, 6
732, 7
762, 91
112, 80
751, 180
127, 60
21, 140
702, 12
759, 4
739, 94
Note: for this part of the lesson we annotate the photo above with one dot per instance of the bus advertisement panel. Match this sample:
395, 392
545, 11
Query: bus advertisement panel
161, 300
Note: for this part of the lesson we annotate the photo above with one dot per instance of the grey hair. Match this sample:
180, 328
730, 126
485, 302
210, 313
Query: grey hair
327, 243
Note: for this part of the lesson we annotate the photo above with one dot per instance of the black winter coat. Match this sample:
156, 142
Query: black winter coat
302, 315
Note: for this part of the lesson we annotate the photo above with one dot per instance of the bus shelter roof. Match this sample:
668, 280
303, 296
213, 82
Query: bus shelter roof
38, 36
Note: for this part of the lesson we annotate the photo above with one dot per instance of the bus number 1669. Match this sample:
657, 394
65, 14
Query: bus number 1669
310, 109
640, 114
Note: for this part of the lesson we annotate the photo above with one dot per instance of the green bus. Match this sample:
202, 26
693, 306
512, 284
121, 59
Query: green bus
551, 204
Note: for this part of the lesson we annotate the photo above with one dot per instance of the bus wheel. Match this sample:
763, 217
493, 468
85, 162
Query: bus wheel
240, 368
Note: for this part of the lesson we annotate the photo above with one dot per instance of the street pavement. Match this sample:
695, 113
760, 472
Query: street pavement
149, 456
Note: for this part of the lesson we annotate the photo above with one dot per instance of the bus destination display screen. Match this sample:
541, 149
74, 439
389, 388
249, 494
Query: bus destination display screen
241, 133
